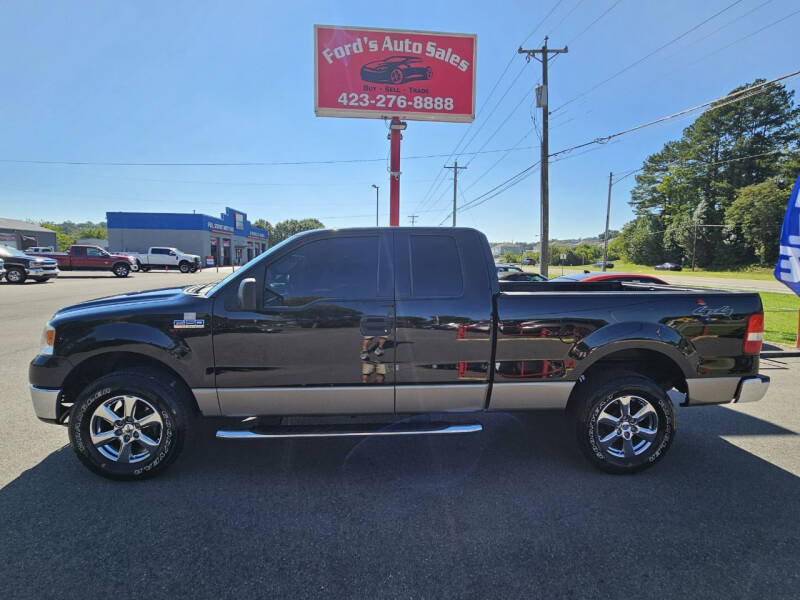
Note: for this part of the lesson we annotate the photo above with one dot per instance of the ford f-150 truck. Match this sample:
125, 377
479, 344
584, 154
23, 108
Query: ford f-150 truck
388, 323
164, 257
93, 258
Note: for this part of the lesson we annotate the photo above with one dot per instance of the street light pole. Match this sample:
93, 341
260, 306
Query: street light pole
377, 192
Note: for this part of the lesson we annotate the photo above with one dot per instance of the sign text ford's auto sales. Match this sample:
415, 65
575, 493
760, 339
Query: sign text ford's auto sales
381, 73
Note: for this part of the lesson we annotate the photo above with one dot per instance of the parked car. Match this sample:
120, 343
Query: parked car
2, 269
629, 277
505, 268
337, 323
164, 257
668, 266
39, 249
599, 265
528, 261
520, 276
20, 266
93, 258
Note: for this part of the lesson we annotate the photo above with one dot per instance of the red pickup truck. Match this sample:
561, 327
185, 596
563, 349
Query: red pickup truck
93, 258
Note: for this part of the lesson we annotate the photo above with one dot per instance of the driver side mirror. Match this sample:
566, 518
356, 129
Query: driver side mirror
247, 294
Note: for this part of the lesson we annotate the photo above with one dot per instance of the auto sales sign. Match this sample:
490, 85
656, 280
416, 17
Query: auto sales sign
384, 73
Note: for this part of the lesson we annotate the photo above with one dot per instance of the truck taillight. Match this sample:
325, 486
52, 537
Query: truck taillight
754, 335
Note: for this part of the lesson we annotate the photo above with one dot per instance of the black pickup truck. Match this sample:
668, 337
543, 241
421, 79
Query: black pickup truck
368, 322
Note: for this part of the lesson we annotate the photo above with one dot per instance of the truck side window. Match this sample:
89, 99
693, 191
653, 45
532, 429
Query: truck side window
79, 251
93, 252
159, 251
343, 268
435, 266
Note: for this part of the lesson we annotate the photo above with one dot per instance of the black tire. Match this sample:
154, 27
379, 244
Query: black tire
184, 266
16, 275
144, 268
193, 269
40, 279
121, 269
600, 399
166, 395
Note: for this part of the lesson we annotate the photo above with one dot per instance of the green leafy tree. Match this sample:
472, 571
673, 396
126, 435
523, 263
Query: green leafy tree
63, 240
689, 184
286, 229
755, 217
100, 233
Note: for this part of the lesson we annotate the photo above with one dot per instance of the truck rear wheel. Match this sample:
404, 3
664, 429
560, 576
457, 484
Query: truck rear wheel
121, 270
625, 421
184, 267
130, 424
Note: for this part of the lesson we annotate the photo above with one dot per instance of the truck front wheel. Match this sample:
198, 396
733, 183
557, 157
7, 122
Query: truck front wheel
625, 422
122, 270
16, 275
130, 424
184, 267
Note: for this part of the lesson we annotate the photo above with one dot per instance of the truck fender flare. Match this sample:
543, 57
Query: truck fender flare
635, 335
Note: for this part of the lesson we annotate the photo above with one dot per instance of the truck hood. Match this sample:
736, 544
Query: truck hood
163, 296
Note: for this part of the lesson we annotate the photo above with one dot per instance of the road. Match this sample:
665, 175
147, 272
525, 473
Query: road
514, 511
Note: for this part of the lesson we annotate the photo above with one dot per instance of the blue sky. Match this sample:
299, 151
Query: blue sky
233, 82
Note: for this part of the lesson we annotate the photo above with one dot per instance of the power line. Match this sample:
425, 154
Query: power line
239, 164
646, 56
590, 25
565, 17
434, 187
724, 101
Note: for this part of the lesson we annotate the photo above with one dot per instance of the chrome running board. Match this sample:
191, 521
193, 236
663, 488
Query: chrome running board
346, 431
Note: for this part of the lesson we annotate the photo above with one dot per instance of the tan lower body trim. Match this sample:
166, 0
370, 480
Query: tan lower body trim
542, 395
350, 400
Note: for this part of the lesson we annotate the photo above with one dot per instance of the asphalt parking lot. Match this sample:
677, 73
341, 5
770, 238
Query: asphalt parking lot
514, 511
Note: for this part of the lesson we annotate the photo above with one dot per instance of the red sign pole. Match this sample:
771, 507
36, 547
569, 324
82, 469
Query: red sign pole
394, 176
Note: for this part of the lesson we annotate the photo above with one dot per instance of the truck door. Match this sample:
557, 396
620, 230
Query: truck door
95, 259
443, 321
322, 338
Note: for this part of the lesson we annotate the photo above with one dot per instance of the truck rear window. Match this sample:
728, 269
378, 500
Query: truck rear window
435, 266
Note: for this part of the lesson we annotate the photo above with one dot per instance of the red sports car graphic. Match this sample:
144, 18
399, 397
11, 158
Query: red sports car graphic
396, 70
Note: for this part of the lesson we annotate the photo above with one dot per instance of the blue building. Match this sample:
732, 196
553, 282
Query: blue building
229, 239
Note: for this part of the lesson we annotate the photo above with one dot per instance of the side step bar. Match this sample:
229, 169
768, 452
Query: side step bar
362, 430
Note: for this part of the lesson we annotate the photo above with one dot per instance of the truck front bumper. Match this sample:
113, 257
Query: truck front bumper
40, 272
45, 403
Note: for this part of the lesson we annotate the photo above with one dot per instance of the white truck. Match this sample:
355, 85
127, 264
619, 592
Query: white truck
165, 258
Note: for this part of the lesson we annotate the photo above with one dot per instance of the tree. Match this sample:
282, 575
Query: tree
642, 240
756, 216
691, 182
612, 233
265, 225
286, 229
63, 240
100, 233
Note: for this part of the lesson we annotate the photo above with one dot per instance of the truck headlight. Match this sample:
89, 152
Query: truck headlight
48, 339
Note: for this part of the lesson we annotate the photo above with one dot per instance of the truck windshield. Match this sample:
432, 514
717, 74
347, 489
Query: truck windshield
9, 251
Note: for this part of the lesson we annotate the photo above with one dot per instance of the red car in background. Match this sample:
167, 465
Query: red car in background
628, 277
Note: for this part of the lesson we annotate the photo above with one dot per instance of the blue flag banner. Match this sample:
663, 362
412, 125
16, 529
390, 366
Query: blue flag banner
788, 268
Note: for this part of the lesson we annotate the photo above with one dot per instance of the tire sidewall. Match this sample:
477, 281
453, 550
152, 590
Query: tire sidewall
20, 273
184, 267
125, 270
605, 395
173, 426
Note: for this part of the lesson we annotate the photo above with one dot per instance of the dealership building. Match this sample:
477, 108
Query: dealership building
229, 239
22, 235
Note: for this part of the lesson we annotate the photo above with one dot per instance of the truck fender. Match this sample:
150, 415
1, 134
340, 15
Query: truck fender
635, 335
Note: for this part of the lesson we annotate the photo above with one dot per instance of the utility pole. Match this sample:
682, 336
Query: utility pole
608, 214
541, 101
413, 219
455, 168
377, 192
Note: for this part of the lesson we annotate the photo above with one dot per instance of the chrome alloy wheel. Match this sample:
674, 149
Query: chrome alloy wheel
126, 429
627, 426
